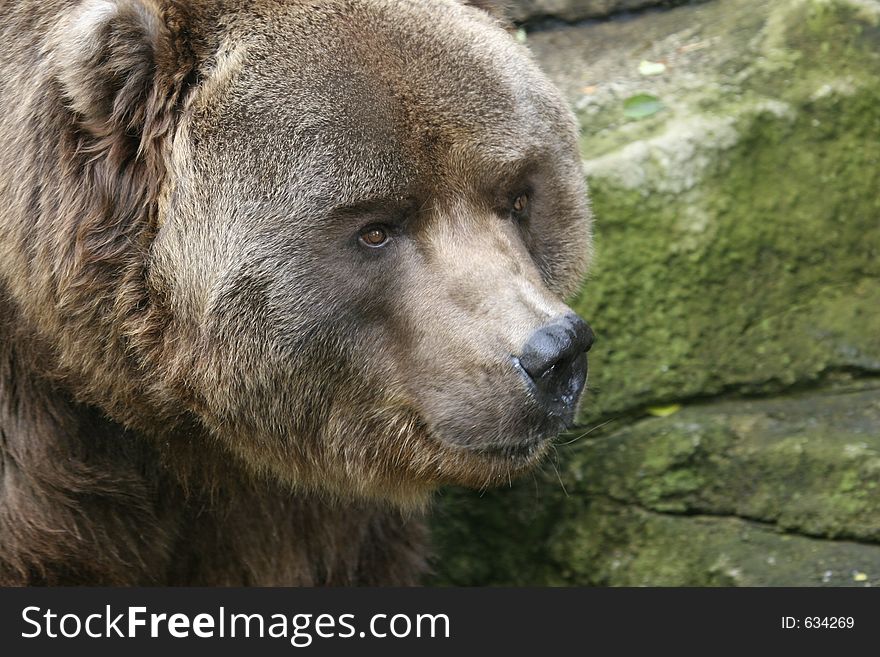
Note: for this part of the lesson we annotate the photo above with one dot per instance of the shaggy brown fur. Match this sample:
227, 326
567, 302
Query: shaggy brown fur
204, 377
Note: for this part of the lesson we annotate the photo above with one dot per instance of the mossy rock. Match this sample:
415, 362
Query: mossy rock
634, 547
808, 464
739, 244
738, 241
782, 491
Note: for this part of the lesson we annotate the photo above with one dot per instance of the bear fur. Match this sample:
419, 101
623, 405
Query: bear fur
206, 376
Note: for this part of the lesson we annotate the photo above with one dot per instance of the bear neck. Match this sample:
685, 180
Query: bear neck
85, 501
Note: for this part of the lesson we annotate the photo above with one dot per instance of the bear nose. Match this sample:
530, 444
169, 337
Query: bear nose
554, 360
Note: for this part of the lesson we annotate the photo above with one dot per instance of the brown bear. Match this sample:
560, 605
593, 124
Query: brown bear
271, 272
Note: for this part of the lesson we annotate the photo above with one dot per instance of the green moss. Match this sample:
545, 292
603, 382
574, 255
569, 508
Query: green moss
809, 463
661, 550
693, 293
749, 278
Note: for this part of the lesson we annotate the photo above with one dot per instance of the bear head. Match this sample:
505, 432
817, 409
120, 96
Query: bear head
334, 235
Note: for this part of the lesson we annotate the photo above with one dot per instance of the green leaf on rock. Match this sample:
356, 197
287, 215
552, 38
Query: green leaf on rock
641, 106
664, 411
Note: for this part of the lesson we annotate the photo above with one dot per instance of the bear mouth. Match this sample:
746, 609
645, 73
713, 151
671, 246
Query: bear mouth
514, 452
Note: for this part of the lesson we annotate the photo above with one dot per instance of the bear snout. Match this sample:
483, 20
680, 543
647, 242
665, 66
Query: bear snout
553, 364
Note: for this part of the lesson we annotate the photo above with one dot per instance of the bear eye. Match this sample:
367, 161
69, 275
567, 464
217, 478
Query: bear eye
374, 236
521, 205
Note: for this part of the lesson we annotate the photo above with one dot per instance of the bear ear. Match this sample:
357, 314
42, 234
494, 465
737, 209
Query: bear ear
121, 67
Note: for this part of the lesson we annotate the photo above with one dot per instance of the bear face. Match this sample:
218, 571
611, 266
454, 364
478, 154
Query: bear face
365, 215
